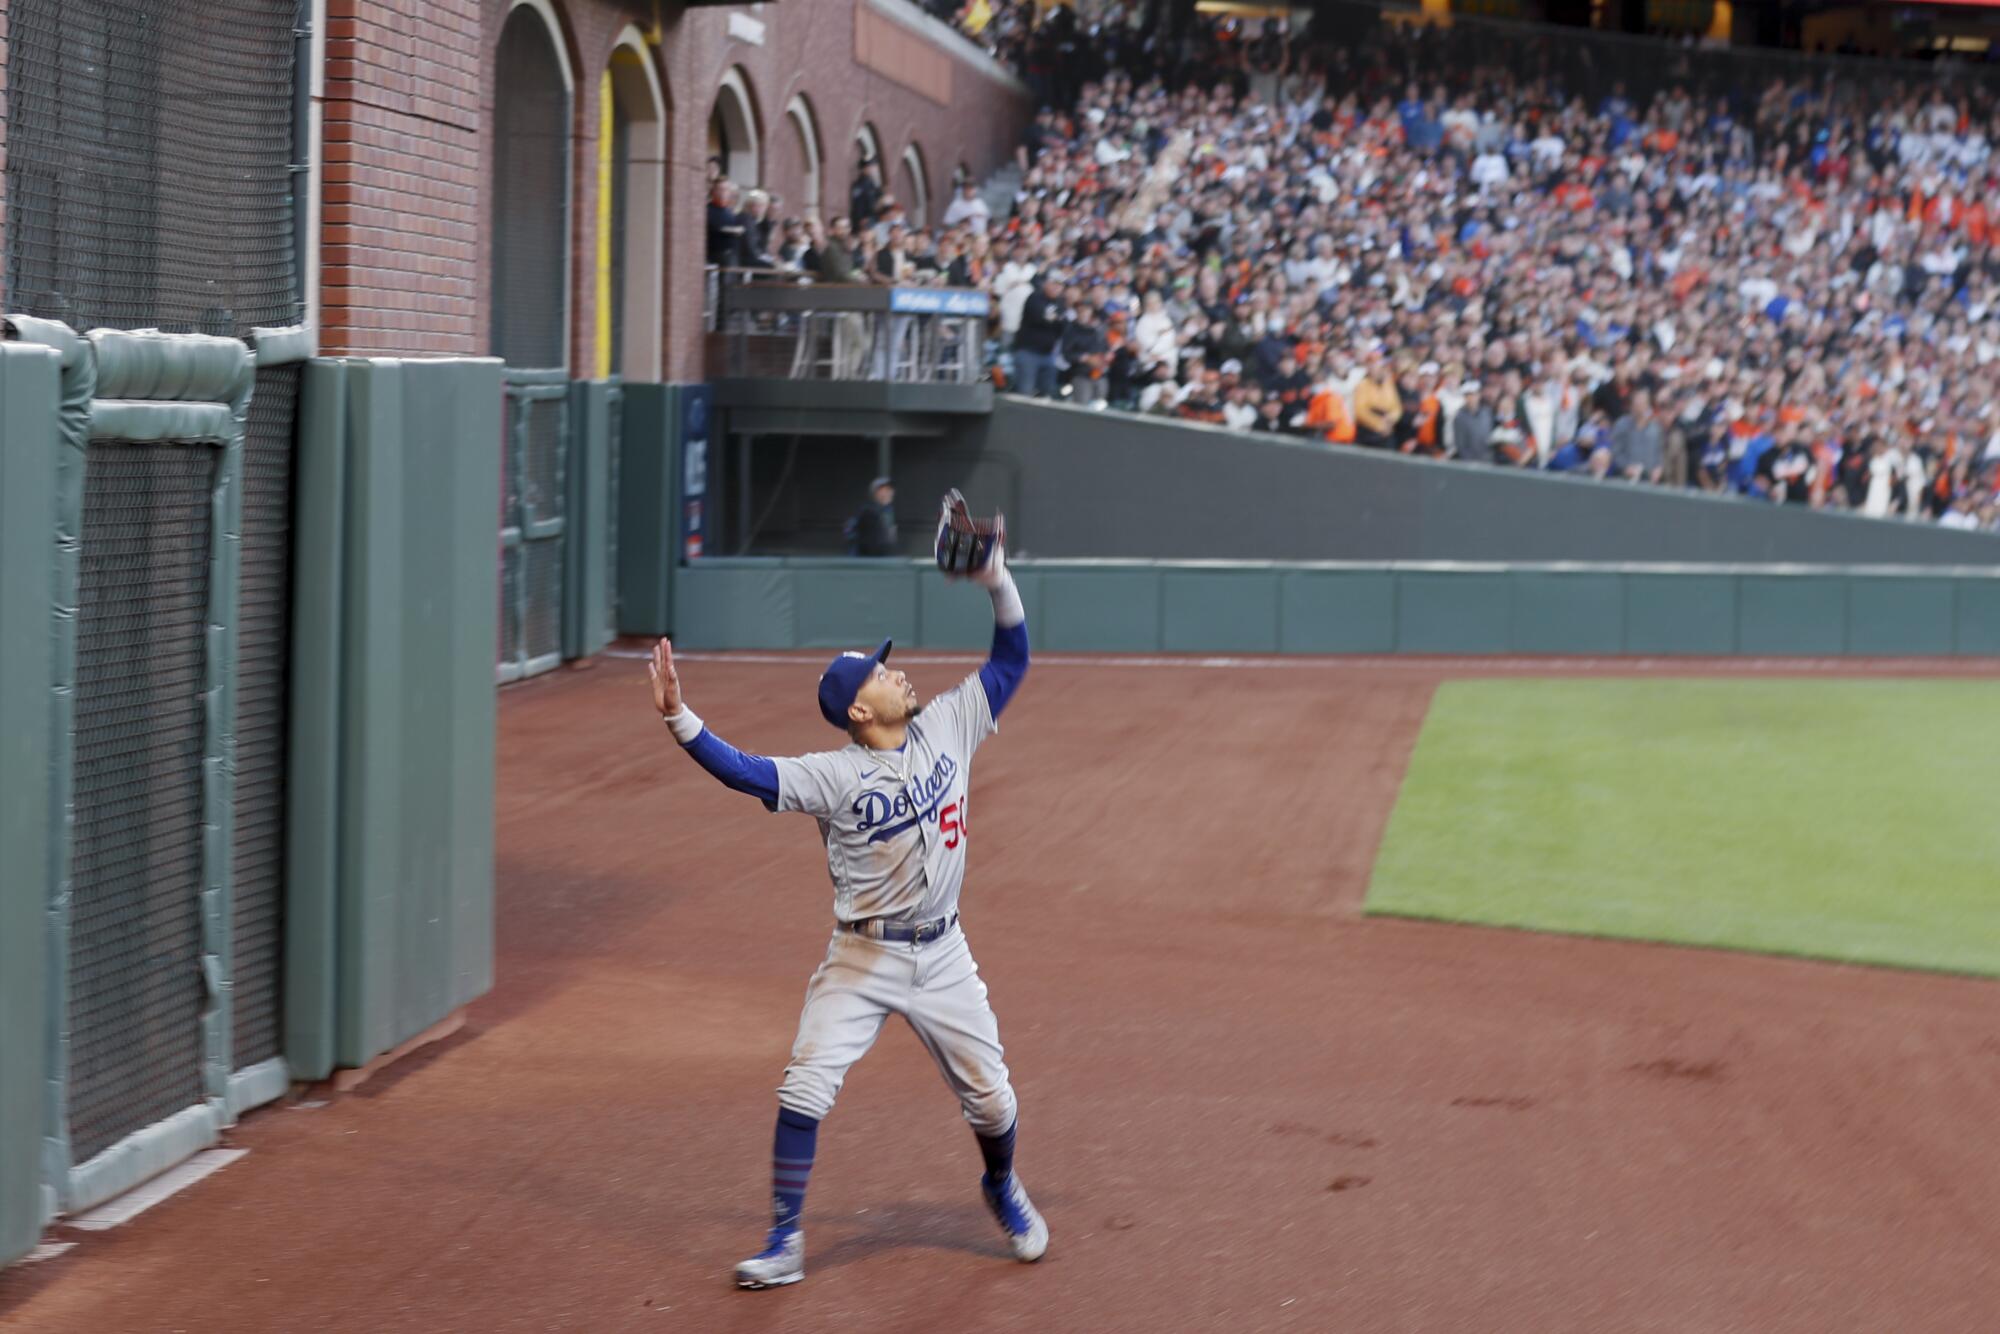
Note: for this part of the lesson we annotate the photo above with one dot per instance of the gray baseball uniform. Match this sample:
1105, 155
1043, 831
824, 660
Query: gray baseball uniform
894, 821
895, 830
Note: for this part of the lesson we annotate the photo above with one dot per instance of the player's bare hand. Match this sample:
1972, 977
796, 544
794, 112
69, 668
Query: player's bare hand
666, 681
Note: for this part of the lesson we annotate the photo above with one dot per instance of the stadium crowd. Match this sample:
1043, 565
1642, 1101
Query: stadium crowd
1436, 242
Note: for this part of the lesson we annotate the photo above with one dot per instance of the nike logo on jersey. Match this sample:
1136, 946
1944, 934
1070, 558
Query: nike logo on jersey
870, 774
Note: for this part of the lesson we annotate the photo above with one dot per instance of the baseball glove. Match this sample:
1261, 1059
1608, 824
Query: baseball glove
964, 544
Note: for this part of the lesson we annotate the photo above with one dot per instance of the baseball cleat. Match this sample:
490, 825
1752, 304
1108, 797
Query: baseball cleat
1027, 1234
782, 1261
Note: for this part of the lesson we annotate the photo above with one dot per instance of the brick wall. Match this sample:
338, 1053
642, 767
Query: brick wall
401, 227
810, 47
409, 94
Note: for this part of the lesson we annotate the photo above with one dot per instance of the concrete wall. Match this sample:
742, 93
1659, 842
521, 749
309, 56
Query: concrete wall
1077, 484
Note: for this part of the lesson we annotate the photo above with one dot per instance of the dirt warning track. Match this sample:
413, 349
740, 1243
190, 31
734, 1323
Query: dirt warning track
1244, 1106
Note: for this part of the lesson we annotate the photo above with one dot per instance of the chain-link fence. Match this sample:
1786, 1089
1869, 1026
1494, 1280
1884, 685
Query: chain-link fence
153, 162
135, 946
150, 163
533, 522
264, 625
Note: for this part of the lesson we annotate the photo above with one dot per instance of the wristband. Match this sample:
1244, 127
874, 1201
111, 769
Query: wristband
1007, 608
685, 725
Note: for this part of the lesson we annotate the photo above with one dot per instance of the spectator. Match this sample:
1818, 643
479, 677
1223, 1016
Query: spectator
1589, 450
1638, 442
1377, 406
754, 245
833, 260
1427, 425
888, 216
1011, 290
1511, 442
893, 263
1885, 472
1087, 352
1042, 319
973, 266
872, 530
1240, 409
1162, 395
1328, 415
968, 209
725, 226
796, 251
1794, 472
864, 197
1157, 342
1550, 410
1962, 514
1472, 428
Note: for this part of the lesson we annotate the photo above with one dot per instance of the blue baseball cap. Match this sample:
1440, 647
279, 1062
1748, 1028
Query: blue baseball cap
843, 679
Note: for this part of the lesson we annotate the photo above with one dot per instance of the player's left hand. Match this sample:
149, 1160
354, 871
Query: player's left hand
666, 681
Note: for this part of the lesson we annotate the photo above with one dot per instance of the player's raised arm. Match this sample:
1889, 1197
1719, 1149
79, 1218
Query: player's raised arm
978, 550
756, 775
1008, 662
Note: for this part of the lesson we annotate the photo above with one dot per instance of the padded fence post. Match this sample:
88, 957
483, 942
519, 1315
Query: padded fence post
585, 563
260, 839
128, 1115
649, 515
312, 814
29, 452
370, 845
78, 384
475, 413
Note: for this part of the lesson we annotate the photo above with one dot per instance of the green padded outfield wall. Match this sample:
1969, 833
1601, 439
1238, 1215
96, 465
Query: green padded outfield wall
1261, 607
312, 753
29, 384
391, 894
595, 408
649, 507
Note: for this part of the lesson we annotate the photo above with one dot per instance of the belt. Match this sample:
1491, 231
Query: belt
920, 934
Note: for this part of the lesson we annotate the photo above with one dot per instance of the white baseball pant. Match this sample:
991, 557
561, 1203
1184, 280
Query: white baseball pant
936, 987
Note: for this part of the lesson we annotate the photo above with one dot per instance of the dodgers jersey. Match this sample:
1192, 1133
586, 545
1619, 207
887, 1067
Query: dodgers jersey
894, 820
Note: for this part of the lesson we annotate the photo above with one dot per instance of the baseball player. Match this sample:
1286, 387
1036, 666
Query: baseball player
891, 806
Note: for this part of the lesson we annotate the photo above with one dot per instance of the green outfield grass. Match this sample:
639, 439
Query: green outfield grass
1851, 820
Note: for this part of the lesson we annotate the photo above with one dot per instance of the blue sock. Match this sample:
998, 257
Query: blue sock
998, 1151
791, 1164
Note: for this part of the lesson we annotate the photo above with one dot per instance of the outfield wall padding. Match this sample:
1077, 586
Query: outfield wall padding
402, 544
1330, 607
29, 388
589, 522
312, 752
649, 507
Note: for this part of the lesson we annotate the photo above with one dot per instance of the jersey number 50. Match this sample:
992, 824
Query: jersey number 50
952, 821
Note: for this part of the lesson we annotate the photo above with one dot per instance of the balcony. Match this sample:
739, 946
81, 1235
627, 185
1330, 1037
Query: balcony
789, 356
